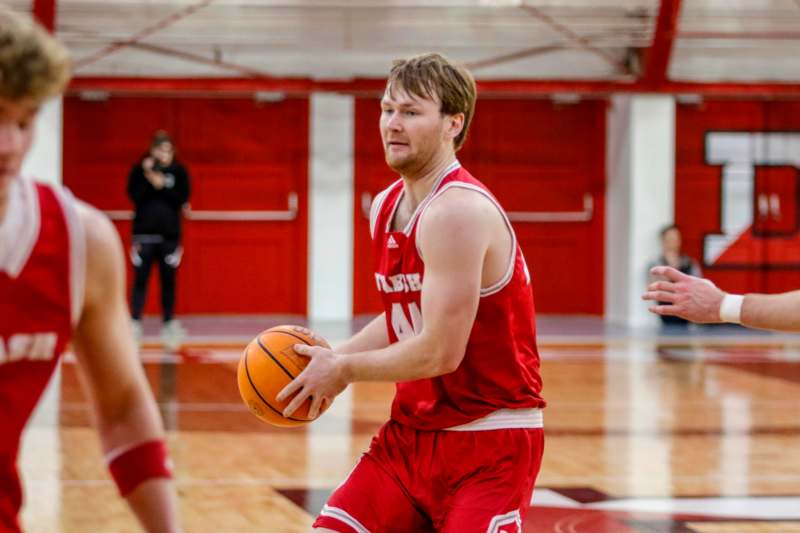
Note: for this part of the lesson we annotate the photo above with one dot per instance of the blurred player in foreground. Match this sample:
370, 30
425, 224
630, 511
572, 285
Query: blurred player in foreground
62, 278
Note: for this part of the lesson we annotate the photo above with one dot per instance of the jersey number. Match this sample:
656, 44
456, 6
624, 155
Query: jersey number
404, 329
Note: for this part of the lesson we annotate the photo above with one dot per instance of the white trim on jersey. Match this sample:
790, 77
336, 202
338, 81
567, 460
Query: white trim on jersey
19, 229
77, 251
343, 516
505, 419
455, 165
503, 281
375, 208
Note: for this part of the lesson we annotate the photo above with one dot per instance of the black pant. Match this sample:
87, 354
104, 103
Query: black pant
145, 250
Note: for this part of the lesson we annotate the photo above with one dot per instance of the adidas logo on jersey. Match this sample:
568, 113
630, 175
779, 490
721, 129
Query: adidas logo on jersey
391, 243
34, 347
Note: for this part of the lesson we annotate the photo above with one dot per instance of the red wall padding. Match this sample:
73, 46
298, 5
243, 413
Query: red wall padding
754, 264
535, 155
241, 155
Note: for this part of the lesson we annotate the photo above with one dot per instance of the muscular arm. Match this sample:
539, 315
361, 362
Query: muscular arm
454, 237
123, 404
699, 300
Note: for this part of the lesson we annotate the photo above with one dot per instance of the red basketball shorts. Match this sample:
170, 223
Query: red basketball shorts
414, 481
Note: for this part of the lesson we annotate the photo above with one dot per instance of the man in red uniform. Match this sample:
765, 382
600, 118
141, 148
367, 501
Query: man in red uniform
464, 443
62, 278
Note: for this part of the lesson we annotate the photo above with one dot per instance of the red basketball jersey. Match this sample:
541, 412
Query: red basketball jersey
41, 291
500, 369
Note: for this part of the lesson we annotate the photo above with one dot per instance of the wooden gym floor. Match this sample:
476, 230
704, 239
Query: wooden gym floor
645, 433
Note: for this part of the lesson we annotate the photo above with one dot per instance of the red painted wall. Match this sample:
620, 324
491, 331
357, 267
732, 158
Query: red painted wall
241, 155
535, 155
766, 258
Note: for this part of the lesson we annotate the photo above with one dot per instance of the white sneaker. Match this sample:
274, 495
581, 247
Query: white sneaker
136, 328
172, 334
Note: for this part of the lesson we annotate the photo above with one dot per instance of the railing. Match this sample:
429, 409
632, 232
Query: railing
522, 216
227, 216
556, 216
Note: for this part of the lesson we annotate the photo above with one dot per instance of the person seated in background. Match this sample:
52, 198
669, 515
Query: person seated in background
158, 186
671, 255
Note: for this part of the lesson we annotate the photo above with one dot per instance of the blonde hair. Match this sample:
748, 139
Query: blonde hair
431, 75
33, 64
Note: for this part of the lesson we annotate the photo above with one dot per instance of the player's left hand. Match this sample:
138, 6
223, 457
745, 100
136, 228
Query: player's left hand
318, 339
322, 380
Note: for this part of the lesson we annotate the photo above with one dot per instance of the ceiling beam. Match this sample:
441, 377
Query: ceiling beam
527, 53
722, 89
45, 12
166, 22
746, 35
201, 59
374, 86
656, 58
582, 42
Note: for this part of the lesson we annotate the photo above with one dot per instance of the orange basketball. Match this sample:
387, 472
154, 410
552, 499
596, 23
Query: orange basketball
267, 365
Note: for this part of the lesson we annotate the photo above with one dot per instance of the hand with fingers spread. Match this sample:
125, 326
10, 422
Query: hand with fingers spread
688, 297
322, 379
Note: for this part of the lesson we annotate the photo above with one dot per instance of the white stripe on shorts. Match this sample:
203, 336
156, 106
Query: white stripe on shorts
507, 519
342, 516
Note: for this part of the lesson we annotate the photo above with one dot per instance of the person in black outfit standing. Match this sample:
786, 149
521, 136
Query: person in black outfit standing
671, 255
158, 185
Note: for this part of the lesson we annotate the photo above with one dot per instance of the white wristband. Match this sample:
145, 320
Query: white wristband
731, 308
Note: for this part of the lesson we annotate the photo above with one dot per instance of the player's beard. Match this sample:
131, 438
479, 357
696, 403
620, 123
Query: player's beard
411, 162
400, 163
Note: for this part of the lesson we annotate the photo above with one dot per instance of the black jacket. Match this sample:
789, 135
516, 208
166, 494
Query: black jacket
158, 211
